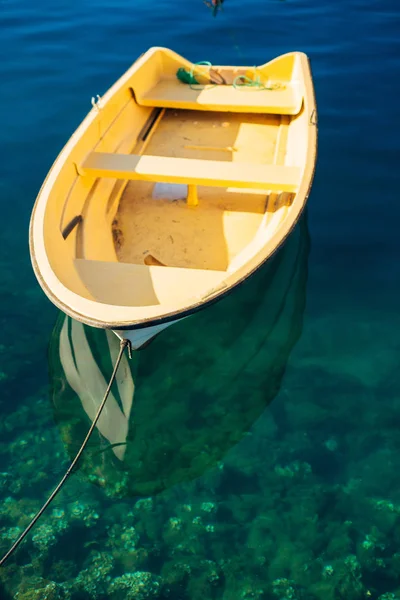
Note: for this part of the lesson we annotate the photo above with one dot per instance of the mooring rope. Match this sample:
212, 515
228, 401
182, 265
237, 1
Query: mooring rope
124, 344
188, 76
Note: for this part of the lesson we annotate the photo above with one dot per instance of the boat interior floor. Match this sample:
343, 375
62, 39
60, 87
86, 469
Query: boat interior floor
155, 225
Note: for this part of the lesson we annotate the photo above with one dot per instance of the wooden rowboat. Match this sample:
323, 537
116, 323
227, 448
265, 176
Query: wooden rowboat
174, 190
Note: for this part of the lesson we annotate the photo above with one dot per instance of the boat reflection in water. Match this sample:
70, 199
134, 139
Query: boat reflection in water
181, 403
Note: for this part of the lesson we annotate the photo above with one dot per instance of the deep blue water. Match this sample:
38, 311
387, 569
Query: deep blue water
308, 502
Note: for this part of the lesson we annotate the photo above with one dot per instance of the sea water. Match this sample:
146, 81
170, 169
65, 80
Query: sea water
253, 450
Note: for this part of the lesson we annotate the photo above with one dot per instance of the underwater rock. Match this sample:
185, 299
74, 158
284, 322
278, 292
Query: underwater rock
64, 570
44, 537
371, 552
91, 583
5, 480
175, 574
297, 469
346, 579
144, 505
83, 513
207, 578
284, 589
123, 545
251, 592
39, 589
135, 586
16, 510
129, 538
194, 578
209, 507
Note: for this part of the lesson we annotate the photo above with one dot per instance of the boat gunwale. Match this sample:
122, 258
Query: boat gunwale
232, 280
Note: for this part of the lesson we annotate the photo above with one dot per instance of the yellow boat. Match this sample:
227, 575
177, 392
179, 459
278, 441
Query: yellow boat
181, 181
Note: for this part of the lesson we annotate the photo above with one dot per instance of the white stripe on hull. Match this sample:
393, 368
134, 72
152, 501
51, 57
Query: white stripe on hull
139, 337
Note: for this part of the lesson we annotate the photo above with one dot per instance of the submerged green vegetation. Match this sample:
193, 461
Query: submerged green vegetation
219, 471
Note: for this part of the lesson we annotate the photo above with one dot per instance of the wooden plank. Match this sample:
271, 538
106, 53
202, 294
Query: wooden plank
281, 142
191, 171
174, 94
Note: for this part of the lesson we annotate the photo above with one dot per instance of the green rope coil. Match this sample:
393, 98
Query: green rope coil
189, 78
204, 63
240, 82
243, 81
184, 76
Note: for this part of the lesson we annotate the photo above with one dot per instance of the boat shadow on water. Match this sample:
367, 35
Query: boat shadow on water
181, 403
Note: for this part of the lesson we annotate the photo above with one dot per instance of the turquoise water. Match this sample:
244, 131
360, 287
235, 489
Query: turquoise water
263, 464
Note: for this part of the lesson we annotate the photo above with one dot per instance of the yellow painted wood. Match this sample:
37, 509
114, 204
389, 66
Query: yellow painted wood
206, 237
175, 94
192, 198
233, 230
142, 145
142, 285
211, 148
191, 171
252, 137
281, 142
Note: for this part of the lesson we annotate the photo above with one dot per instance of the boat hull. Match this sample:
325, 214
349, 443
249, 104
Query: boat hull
135, 228
139, 338
178, 408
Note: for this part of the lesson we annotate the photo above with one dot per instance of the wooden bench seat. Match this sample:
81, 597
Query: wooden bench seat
192, 172
169, 93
